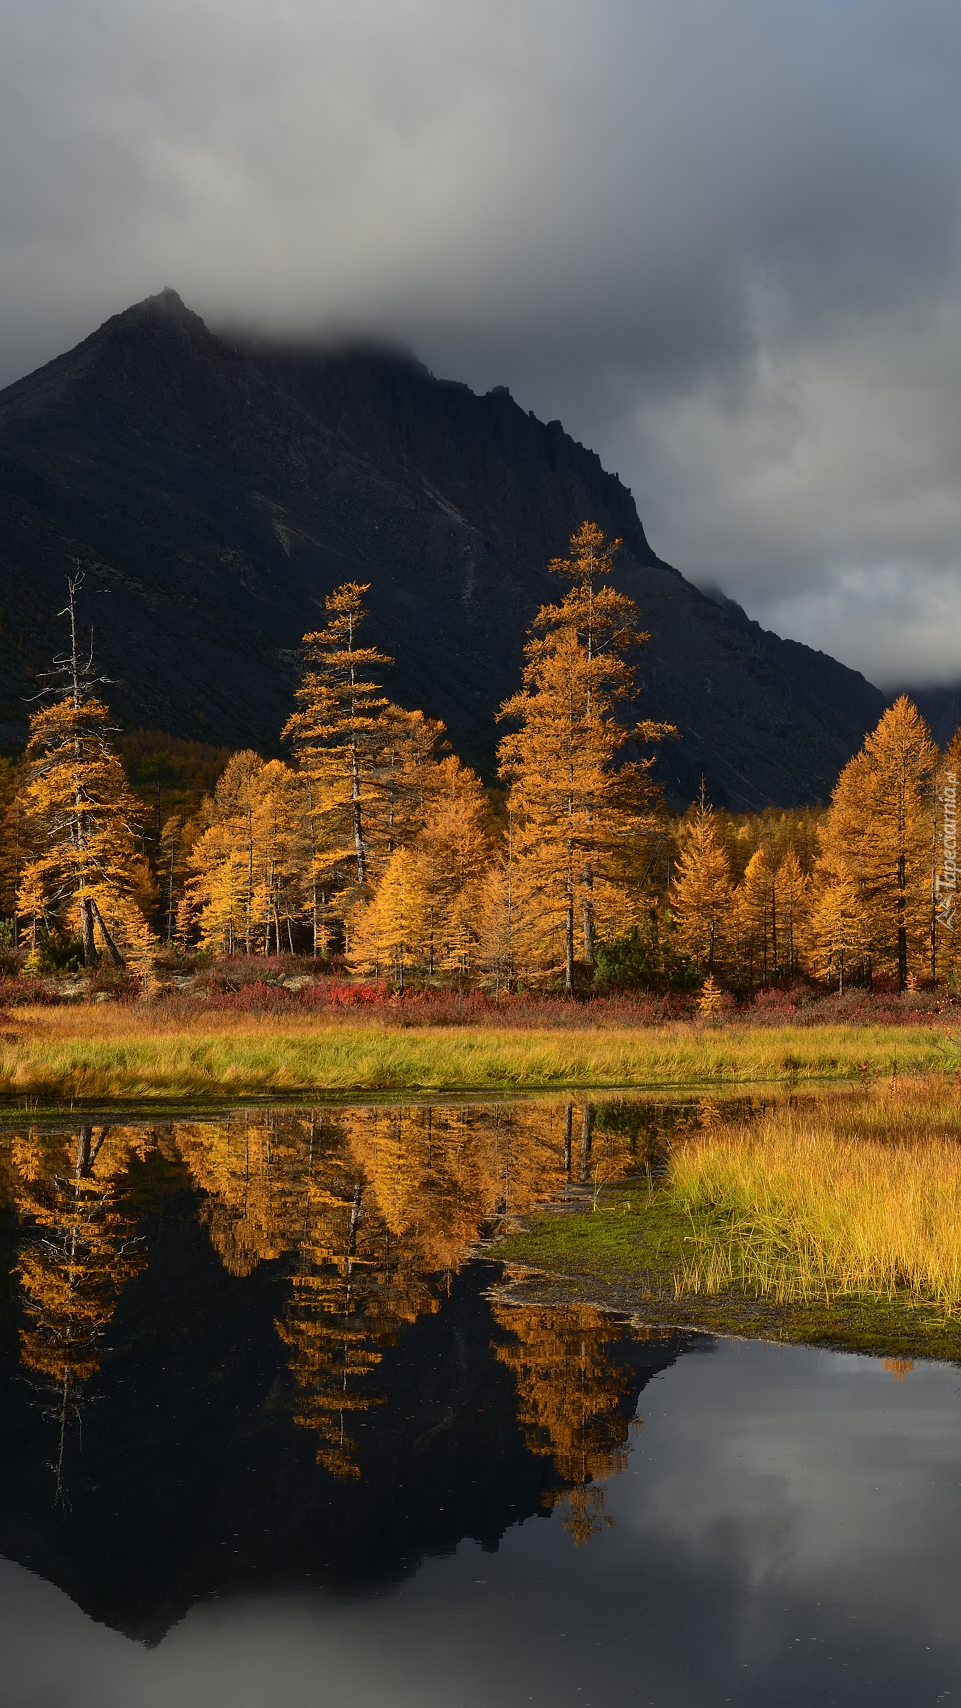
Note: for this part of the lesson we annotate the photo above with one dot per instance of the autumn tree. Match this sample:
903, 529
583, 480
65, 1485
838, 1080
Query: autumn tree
770, 909
574, 807
406, 776
423, 909
877, 837
252, 862
497, 918
779, 831
454, 849
225, 856
84, 868
793, 905
338, 735
177, 837
839, 942
701, 894
13, 847
391, 933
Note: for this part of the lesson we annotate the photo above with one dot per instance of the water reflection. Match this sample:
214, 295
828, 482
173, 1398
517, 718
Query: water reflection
570, 1389
379, 1208
344, 1313
79, 1251
252, 1368
367, 1214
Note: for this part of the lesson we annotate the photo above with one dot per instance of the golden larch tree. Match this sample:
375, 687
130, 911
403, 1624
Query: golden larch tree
84, 868
838, 939
574, 808
793, 904
338, 737
454, 848
390, 934
877, 836
252, 863
701, 892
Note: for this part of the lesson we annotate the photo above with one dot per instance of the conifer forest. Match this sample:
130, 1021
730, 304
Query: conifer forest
371, 851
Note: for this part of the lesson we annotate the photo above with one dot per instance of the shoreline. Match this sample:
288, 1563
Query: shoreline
646, 1295
49, 1059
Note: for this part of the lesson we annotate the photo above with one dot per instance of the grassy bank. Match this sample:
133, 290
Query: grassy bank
838, 1220
111, 1051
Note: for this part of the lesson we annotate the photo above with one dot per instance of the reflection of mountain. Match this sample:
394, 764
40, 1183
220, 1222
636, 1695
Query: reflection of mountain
195, 1476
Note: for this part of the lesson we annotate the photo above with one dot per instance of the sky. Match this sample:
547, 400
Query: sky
718, 239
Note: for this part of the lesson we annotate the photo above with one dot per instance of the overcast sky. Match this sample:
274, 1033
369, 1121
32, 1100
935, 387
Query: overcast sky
717, 238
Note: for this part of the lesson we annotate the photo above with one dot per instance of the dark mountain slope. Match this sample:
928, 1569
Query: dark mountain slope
214, 493
942, 709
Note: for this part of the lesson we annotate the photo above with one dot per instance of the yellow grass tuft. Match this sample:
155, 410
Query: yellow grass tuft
851, 1197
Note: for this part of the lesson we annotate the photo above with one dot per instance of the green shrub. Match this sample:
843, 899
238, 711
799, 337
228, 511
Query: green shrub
647, 959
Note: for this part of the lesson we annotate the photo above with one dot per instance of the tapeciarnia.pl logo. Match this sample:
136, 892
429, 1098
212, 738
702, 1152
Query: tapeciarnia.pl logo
946, 882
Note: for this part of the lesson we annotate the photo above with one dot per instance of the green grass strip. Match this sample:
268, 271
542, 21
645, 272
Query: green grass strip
67, 1060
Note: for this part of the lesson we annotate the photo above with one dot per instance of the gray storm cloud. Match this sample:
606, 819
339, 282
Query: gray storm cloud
719, 241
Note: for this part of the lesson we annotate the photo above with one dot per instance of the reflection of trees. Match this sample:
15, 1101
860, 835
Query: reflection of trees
252, 1172
76, 1261
373, 1210
347, 1300
380, 1207
280, 1184
444, 1176
899, 1367
570, 1391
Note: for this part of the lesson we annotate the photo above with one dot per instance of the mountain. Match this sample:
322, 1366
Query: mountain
941, 707
213, 492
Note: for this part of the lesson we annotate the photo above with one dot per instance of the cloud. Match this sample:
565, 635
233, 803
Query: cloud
719, 242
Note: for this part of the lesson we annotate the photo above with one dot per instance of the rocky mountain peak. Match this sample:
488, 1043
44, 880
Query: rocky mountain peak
215, 490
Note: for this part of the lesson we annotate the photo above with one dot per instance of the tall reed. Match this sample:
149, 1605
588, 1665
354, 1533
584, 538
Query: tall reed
858, 1196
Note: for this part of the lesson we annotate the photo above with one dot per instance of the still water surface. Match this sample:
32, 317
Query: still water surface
268, 1441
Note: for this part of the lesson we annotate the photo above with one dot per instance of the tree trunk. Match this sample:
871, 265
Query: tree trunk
170, 897
902, 933
568, 1138
90, 956
585, 1140
569, 941
359, 849
354, 1219
112, 949
588, 917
